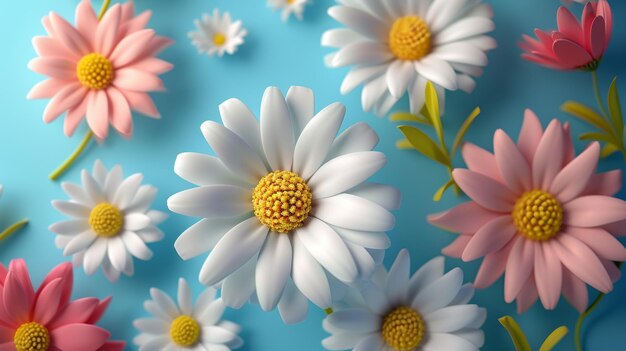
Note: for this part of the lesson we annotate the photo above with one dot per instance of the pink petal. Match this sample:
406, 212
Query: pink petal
575, 291
613, 271
134, 79
616, 228
546, 40
8, 346
569, 26
455, 249
493, 267
113, 346
159, 44
3, 274
607, 183
131, 48
583, 262
6, 334
568, 146
548, 275
512, 164
121, 118
48, 302
54, 67
572, 180
571, 54
542, 60
98, 114
548, 158
63, 271
99, 311
589, 14
527, 296
107, 32
601, 242
20, 270
597, 38
136, 23
46, 89
518, 268
74, 117
79, 337
604, 10
481, 161
142, 103
154, 65
47, 46
467, 217
128, 11
529, 135
486, 191
69, 36
70, 96
86, 20
490, 238
78, 311
16, 303
594, 210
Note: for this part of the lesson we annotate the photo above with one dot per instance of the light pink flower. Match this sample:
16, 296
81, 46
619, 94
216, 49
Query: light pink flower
99, 69
539, 213
46, 319
576, 45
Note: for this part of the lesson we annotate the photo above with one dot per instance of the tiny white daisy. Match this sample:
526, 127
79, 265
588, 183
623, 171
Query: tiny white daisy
295, 7
398, 45
397, 311
218, 34
111, 221
285, 203
185, 326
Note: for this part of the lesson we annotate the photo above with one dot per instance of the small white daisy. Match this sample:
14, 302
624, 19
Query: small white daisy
186, 326
295, 7
397, 311
398, 45
284, 203
217, 34
111, 221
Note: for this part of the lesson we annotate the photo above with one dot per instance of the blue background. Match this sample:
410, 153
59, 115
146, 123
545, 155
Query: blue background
282, 54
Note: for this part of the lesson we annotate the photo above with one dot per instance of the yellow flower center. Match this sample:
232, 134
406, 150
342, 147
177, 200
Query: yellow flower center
403, 329
106, 220
290, 2
538, 215
409, 38
219, 39
282, 201
94, 71
31, 336
185, 331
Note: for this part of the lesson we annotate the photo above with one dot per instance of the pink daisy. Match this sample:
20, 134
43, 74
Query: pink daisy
46, 319
575, 45
99, 69
540, 213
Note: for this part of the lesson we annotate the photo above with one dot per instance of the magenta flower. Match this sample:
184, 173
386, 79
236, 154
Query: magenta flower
540, 214
46, 319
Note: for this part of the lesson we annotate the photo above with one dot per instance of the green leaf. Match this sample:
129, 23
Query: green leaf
554, 338
442, 190
424, 144
597, 136
516, 333
463, 130
432, 105
403, 144
615, 110
608, 150
408, 117
424, 112
587, 114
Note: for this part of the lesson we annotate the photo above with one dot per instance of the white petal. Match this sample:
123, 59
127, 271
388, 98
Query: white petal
135, 246
482, 42
213, 313
110, 273
438, 71
200, 169
452, 318
77, 193
117, 253
385, 104
372, 342
465, 295
461, 52
293, 306
440, 293
384, 195
143, 199
151, 234
94, 255
465, 28
416, 94
165, 303
362, 53
419, 7
203, 236
441, 341
360, 21
151, 326
373, 91
79, 243
370, 240
72, 209
355, 320
155, 343
443, 12
127, 190
156, 217
343, 341
340, 37
136, 221
276, 127
361, 75
206, 298
357, 138
353, 212
217, 335
365, 264
398, 278
212, 201
476, 337
238, 118
233, 250
396, 8
309, 276
273, 269
301, 104
399, 74
72, 227
152, 308
92, 188
99, 172
375, 299
185, 302
113, 180
466, 83
316, 140
239, 286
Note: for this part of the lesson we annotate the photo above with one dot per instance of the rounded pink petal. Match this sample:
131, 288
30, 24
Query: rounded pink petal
78, 311
48, 302
493, 267
134, 79
519, 266
597, 37
571, 54
455, 249
548, 275
142, 103
98, 113
51, 47
63, 271
69, 36
159, 44
74, 117
480, 160
593, 211
70, 96
601, 242
568, 146
128, 11
99, 311
512, 164
604, 10
583, 262
589, 13
613, 271
490, 238
6, 334
121, 118
15, 299
616, 228
20, 271
467, 217
569, 26
486, 191
572, 180
54, 67
79, 337
548, 158
46, 89
528, 295
575, 291
529, 135
154, 65
107, 35
137, 23
607, 183
86, 20
132, 48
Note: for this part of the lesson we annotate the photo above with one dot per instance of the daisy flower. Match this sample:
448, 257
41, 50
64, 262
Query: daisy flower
397, 46
288, 7
217, 34
538, 213
186, 326
396, 311
284, 206
575, 45
46, 319
111, 221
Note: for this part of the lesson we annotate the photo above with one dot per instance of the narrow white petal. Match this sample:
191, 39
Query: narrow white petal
273, 269
398, 278
203, 236
201, 169
217, 335
373, 91
361, 75
384, 195
417, 94
238, 118
72, 209
353, 212
151, 326
99, 172
362, 53
355, 320
440, 293
143, 199
240, 285
92, 188
152, 308
452, 318
293, 305
465, 28
72, 227
340, 37
360, 21
426, 274
370, 240
113, 180
461, 52
359, 137
212, 201
94, 256
117, 253
79, 243
442, 341
136, 221
399, 75
438, 71
365, 264
374, 298
213, 313
165, 303
443, 12
301, 104
127, 190
77, 193
309, 276
136, 246
276, 126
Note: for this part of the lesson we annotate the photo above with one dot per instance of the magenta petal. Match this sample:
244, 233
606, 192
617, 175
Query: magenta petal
548, 158
48, 302
604, 10
20, 270
481, 161
575, 291
569, 26
593, 211
519, 266
601, 242
492, 267
455, 249
3, 274
529, 135
528, 295
512, 164
79, 337
99, 311
467, 217
490, 238
583, 262
572, 180
571, 54
6, 334
63, 271
607, 183
597, 38
15, 300
548, 275
113, 346
78, 311
486, 191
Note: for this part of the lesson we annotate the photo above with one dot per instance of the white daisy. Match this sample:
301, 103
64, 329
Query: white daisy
111, 221
295, 7
217, 34
398, 45
284, 202
186, 326
396, 311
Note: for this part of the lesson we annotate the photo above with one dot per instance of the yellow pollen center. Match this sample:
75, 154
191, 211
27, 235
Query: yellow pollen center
219, 39
409, 38
403, 329
94, 71
185, 331
31, 336
290, 1
106, 220
282, 201
538, 215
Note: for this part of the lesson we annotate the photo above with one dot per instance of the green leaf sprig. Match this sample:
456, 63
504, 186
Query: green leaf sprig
416, 138
521, 342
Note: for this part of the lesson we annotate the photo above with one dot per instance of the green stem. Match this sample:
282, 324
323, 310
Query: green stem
104, 9
328, 311
12, 229
596, 92
66, 165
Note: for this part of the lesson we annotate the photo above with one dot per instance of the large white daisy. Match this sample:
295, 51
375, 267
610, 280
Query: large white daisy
398, 45
397, 311
284, 203
289, 7
111, 221
185, 326
217, 34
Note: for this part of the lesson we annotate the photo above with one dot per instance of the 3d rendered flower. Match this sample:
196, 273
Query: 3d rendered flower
218, 34
186, 326
288, 7
397, 46
284, 203
100, 69
111, 221
397, 311
46, 319
538, 213
576, 45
